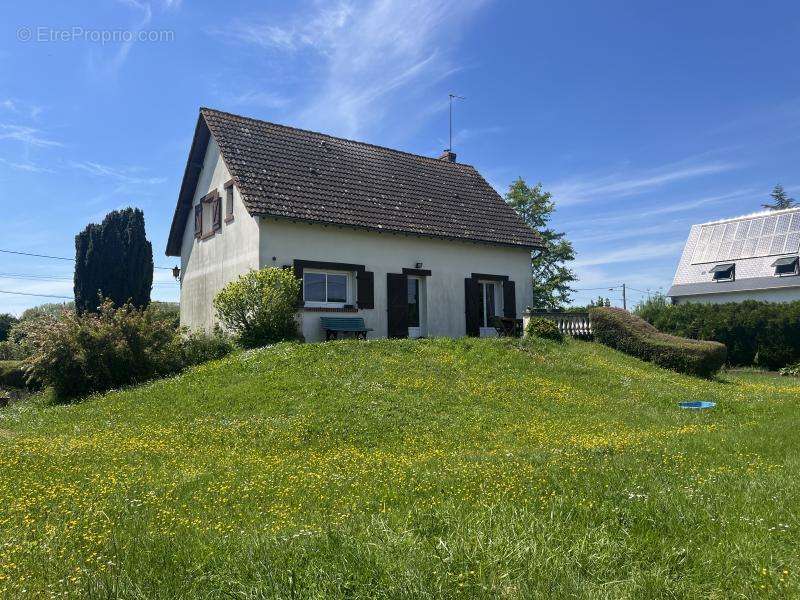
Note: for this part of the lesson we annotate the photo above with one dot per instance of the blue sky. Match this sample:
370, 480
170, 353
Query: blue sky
640, 118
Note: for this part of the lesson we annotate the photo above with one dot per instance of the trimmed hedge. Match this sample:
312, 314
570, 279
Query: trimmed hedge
12, 374
628, 333
765, 334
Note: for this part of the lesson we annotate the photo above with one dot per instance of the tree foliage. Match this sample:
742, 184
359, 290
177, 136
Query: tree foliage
551, 277
780, 199
6, 322
114, 261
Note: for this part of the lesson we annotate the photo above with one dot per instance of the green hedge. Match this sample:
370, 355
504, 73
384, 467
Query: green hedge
12, 374
756, 333
628, 333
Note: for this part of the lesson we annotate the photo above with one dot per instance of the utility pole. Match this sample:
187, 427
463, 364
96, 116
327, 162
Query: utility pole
624, 298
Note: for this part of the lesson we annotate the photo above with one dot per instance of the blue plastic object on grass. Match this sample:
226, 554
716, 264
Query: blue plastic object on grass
697, 405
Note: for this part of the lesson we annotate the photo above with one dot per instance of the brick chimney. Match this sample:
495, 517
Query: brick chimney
448, 155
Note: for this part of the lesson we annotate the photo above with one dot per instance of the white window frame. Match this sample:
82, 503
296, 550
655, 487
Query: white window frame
317, 304
229, 200
487, 329
207, 230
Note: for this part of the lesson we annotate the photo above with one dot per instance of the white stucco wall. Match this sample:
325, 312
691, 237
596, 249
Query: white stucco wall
450, 262
209, 264
772, 295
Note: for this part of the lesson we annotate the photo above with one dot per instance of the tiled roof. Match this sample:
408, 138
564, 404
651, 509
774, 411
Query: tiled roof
296, 174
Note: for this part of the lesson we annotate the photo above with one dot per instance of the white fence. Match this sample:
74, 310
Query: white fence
573, 324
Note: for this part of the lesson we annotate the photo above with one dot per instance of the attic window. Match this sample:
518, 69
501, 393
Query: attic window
786, 266
723, 272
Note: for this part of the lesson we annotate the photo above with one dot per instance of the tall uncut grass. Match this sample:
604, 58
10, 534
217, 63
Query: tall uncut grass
407, 469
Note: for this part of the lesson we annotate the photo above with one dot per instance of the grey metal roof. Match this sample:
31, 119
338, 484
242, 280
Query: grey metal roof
740, 285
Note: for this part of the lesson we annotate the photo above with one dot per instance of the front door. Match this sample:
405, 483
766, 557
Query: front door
414, 307
397, 304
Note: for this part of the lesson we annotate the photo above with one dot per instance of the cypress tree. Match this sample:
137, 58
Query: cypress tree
113, 260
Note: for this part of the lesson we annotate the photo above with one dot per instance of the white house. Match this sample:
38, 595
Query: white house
416, 246
745, 258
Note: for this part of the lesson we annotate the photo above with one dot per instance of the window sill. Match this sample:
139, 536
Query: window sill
228, 219
344, 309
207, 236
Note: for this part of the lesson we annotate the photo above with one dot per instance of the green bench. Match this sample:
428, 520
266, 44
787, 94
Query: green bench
333, 326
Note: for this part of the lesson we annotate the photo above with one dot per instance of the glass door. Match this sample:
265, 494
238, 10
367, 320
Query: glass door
488, 310
414, 307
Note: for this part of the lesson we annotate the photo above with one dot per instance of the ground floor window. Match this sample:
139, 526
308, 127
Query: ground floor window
324, 288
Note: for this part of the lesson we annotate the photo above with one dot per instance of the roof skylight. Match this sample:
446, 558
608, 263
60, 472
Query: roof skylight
749, 238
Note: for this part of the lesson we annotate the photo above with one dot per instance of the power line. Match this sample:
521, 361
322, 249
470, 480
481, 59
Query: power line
52, 278
36, 255
37, 295
20, 253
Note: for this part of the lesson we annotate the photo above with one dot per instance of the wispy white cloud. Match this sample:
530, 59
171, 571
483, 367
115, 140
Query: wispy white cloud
630, 220
625, 184
26, 166
30, 136
127, 175
17, 107
616, 233
261, 99
102, 63
633, 253
366, 58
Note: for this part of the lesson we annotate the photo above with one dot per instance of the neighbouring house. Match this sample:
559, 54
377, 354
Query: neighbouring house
745, 258
417, 246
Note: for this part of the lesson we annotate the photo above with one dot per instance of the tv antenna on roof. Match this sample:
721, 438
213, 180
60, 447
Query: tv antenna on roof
452, 96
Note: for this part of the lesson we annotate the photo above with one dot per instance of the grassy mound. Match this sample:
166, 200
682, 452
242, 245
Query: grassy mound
407, 469
628, 333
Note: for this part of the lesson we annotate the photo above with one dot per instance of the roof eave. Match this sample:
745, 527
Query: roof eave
521, 245
191, 174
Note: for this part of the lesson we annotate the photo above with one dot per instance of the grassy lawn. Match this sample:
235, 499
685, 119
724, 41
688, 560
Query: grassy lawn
402, 469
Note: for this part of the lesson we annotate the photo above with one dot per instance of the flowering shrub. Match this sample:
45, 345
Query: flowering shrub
259, 308
80, 354
94, 352
543, 328
628, 333
791, 371
12, 374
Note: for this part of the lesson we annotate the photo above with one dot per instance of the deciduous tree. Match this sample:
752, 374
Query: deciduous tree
550, 274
